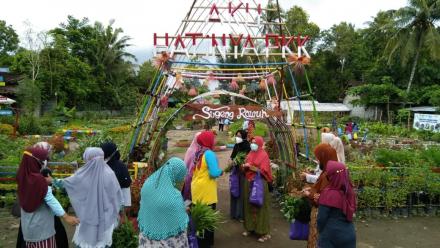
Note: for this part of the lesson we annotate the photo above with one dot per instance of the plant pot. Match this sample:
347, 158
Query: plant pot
404, 212
429, 211
395, 213
367, 213
375, 213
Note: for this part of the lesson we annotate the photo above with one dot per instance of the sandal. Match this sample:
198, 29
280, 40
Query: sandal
264, 238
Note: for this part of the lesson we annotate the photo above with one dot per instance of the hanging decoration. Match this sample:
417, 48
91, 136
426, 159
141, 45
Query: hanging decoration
192, 91
164, 101
162, 61
243, 90
240, 78
271, 79
263, 84
210, 76
298, 62
234, 85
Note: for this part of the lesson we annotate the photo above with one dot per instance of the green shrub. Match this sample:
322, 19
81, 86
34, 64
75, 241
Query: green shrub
389, 157
369, 197
260, 128
125, 236
6, 129
432, 156
29, 125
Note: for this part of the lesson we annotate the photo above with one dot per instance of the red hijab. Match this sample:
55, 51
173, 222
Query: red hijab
32, 187
206, 139
259, 159
339, 193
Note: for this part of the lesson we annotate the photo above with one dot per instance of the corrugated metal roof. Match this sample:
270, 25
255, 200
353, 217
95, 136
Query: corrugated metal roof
307, 106
423, 109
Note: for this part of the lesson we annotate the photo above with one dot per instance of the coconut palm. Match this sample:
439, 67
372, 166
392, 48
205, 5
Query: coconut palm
416, 30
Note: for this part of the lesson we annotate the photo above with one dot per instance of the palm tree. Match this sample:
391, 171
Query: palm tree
416, 30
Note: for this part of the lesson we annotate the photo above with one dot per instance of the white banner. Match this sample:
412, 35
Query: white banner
427, 122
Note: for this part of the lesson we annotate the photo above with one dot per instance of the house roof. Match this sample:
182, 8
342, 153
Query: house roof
423, 109
307, 106
5, 100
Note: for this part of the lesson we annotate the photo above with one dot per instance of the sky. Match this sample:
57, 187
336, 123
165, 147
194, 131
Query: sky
141, 18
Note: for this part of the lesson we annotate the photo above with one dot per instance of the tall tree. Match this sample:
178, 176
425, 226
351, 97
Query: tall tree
416, 29
298, 23
8, 42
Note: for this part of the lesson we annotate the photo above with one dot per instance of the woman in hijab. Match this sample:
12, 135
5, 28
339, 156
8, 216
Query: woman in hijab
241, 149
323, 153
189, 162
204, 184
112, 156
60, 232
337, 205
96, 197
336, 143
256, 219
162, 217
38, 205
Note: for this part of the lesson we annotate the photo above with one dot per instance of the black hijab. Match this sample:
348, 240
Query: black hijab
112, 156
244, 146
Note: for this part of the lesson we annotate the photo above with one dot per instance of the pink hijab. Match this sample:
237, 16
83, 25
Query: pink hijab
339, 193
191, 152
190, 157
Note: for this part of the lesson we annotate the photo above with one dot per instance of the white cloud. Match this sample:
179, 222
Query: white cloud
141, 18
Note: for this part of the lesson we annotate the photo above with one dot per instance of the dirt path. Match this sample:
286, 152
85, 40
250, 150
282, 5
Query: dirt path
413, 232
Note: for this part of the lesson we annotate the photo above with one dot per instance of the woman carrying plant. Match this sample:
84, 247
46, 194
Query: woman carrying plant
256, 218
162, 217
38, 205
323, 153
189, 162
204, 184
96, 197
112, 157
241, 149
337, 205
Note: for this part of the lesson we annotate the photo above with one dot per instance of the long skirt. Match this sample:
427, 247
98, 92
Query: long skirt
208, 239
256, 219
312, 242
178, 241
48, 243
60, 236
236, 209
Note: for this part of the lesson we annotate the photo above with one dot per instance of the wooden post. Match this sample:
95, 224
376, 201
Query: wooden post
14, 133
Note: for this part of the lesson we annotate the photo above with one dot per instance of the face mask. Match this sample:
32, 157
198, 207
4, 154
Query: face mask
238, 140
254, 147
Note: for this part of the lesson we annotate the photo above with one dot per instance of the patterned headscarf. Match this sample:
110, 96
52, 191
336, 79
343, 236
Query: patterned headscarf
162, 211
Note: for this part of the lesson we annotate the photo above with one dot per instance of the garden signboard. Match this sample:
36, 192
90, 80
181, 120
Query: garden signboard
427, 122
211, 111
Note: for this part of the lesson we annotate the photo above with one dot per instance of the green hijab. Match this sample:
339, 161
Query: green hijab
162, 211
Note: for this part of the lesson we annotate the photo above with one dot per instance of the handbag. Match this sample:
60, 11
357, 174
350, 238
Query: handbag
299, 230
234, 182
256, 196
16, 209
